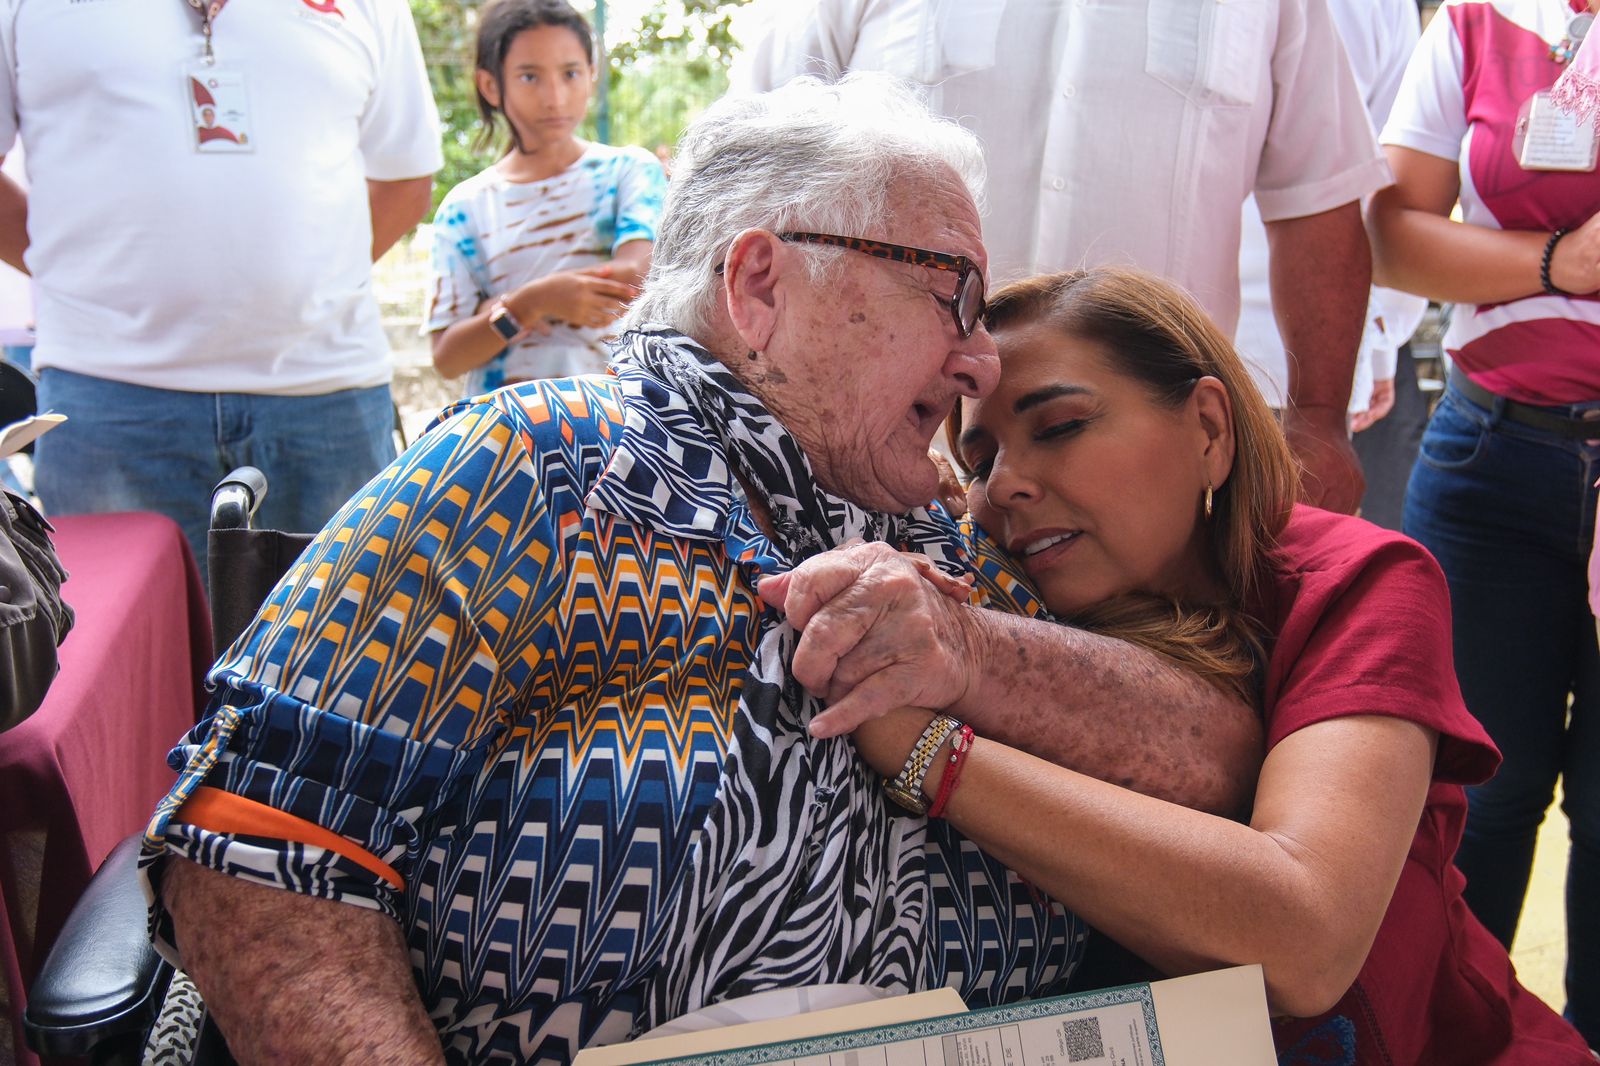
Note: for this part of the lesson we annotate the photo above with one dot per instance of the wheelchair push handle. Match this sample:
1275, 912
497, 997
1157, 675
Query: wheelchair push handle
235, 499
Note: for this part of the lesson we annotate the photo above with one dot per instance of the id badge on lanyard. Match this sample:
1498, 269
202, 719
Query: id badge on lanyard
1546, 137
215, 95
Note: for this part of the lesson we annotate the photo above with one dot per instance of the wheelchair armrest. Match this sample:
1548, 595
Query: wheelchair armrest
102, 979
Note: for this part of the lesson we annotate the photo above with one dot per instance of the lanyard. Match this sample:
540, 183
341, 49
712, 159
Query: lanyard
209, 10
1577, 28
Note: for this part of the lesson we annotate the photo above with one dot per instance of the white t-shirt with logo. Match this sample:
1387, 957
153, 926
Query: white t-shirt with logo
238, 271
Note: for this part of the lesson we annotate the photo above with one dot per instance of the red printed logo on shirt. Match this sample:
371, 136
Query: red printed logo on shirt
327, 7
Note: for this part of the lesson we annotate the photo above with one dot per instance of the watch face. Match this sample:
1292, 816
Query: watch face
504, 324
911, 799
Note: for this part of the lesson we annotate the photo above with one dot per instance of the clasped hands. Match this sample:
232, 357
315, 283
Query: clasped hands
590, 297
879, 630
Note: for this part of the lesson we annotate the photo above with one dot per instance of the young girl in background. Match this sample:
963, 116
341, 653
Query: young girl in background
535, 257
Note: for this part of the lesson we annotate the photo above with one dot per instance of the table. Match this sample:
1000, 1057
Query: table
87, 768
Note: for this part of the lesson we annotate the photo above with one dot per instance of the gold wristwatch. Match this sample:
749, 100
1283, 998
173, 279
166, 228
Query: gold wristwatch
906, 789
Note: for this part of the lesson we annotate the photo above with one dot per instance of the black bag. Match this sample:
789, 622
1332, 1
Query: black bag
33, 618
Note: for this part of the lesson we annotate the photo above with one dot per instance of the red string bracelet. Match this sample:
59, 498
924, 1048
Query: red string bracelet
960, 744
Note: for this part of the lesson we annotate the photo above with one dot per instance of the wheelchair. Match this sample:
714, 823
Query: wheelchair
103, 986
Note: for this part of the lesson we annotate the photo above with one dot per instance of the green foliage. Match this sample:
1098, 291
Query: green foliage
446, 29
672, 64
660, 73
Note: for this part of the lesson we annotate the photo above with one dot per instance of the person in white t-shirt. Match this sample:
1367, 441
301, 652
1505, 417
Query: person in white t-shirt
206, 301
1129, 134
535, 257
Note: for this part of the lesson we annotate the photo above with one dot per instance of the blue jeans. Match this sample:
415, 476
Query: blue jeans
131, 448
1509, 512
21, 354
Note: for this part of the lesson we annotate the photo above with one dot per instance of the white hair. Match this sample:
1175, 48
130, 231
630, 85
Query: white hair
811, 155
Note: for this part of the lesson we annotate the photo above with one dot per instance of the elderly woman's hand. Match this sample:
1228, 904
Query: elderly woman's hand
952, 493
879, 629
958, 589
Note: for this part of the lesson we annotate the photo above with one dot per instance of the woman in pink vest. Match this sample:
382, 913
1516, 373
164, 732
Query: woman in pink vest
1503, 491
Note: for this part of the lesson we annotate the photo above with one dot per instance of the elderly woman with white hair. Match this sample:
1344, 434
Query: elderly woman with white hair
512, 762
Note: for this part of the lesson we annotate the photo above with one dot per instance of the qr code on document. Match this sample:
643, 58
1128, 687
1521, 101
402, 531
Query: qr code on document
1083, 1039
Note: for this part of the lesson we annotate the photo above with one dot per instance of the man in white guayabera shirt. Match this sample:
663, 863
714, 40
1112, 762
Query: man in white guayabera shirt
1130, 134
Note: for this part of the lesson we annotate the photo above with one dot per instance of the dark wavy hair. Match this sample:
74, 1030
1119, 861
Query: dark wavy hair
498, 25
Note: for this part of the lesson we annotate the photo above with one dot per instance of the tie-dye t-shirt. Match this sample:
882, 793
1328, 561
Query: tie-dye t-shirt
492, 235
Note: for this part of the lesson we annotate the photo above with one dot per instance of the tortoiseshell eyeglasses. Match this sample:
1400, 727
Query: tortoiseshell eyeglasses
965, 307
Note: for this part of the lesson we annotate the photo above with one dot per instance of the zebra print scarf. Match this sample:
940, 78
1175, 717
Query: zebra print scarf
802, 874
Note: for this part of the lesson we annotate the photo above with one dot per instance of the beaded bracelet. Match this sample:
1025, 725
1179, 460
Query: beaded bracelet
960, 744
1544, 264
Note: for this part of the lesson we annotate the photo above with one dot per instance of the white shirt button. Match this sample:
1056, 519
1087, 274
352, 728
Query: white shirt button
1058, 184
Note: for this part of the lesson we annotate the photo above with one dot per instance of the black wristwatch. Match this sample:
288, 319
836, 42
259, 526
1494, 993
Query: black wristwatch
503, 322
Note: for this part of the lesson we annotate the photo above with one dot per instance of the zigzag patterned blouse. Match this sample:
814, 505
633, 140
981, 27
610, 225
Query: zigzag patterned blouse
493, 700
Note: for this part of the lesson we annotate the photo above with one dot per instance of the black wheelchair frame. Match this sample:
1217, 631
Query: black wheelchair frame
102, 985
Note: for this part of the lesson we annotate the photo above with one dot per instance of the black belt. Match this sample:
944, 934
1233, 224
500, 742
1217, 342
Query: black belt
1525, 414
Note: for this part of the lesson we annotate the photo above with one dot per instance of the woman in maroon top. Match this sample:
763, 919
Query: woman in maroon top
1129, 465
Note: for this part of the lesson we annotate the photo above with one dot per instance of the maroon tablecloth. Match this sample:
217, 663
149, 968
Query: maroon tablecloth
86, 769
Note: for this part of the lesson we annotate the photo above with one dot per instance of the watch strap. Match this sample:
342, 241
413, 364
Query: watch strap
906, 788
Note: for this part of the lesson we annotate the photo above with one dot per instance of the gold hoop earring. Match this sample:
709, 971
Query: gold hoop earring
1209, 495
